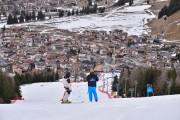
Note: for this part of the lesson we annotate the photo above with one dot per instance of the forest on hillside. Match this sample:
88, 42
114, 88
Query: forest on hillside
173, 7
10, 86
163, 80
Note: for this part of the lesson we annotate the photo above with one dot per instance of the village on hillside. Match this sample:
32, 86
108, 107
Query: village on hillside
28, 48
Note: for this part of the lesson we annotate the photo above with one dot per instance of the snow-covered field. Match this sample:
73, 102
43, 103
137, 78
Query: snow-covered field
131, 19
42, 102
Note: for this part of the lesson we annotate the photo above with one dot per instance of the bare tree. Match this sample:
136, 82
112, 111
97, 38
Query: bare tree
134, 75
160, 85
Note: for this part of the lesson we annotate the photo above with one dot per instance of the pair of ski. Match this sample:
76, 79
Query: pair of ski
74, 102
66, 102
69, 102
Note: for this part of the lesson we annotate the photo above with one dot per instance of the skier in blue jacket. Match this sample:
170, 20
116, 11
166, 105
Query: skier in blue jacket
92, 79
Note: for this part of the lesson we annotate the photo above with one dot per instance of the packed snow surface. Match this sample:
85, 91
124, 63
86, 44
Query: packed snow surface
42, 102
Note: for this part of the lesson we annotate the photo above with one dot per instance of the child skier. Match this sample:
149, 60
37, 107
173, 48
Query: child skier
67, 86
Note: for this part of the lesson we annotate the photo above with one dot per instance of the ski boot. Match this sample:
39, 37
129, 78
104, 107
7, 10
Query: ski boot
66, 102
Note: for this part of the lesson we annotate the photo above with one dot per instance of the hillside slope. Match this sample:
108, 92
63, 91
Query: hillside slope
42, 102
170, 27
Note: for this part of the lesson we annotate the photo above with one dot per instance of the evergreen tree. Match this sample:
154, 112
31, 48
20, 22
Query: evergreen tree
164, 11
17, 77
151, 75
178, 56
15, 19
77, 12
44, 17
61, 13
130, 2
21, 18
141, 89
148, 1
33, 16
27, 17
115, 84
52, 78
7, 88
8, 91
23, 13
10, 19
101, 9
73, 12
87, 10
35, 77
48, 78
30, 16
174, 6
41, 16
147, 76
89, 2
69, 13
94, 8
28, 78
17, 88
120, 2
81, 12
